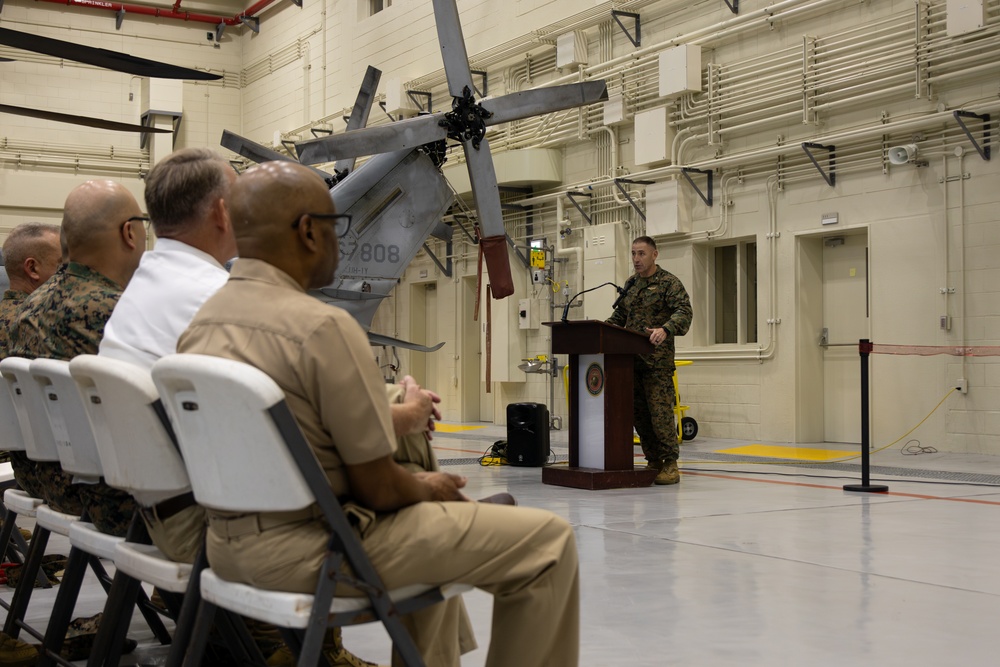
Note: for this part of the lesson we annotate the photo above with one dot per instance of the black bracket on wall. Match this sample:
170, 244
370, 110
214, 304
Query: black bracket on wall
616, 15
320, 132
446, 270
415, 97
459, 218
830, 174
734, 6
984, 149
485, 90
687, 171
290, 147
618, 184
572, 198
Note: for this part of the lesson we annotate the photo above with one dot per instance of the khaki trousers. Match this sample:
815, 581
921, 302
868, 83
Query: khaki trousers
525, 557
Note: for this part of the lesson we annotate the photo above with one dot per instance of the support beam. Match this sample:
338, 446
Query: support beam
637, 40
417, 95
446, 270
618, 184
687, 171
830, 173
734, 6
984, 149
572, 198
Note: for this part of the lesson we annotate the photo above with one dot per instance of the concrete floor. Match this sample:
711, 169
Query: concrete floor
753, 559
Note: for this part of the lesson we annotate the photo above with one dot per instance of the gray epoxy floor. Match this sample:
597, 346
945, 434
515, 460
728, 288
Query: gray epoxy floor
750, 564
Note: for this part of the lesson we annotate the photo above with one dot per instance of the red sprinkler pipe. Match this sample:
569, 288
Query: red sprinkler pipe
165, 13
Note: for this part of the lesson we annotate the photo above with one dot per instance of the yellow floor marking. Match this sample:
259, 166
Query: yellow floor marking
785, 452
454, 428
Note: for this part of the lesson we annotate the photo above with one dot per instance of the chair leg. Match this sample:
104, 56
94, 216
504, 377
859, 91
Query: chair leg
199, 636
62, 611
117, 615
22, 594
186, 619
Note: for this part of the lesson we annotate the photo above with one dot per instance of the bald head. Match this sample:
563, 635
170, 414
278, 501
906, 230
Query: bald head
268, 206
98, 231
31, 255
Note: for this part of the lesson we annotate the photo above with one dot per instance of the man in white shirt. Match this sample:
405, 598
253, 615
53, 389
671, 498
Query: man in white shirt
185, 197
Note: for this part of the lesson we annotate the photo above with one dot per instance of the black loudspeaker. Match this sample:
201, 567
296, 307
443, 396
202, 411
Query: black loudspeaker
527, 434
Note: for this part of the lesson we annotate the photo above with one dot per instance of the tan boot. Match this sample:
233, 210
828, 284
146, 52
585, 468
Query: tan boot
16, 653
669, 474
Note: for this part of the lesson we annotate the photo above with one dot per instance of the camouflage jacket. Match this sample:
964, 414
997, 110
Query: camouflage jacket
654, 302
12, 299
65, 317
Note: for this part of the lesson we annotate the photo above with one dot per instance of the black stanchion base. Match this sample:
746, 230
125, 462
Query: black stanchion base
868, 488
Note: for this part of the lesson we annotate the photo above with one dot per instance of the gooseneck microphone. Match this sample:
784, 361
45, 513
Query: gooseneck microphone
565, 315
622, 291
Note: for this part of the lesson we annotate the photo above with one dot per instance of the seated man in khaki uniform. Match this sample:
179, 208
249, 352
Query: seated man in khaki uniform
416, 527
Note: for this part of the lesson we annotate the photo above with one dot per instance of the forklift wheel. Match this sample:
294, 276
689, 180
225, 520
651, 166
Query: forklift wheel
689, 428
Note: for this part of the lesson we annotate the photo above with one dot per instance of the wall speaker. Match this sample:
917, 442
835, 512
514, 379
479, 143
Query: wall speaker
903, 154
527, 434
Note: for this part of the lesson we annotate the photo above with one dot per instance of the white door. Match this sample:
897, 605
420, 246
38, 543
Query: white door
845, 322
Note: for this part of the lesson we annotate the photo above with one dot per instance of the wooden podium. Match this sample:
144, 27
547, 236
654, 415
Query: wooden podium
601, 448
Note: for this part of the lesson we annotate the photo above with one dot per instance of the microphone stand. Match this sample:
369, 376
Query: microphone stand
565, 313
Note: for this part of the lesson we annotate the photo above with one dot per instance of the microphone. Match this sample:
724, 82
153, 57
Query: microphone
622, 291
565, 314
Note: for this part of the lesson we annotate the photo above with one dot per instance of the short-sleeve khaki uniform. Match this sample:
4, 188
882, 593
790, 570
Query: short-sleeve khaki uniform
321, 359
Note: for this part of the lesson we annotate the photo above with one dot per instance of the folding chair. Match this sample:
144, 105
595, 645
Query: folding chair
245, 454
20, 503
138, 454
78, 456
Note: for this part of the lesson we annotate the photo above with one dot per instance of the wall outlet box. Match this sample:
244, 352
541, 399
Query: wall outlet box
962, 385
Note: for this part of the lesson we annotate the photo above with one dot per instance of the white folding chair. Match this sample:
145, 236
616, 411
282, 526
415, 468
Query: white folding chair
78, 455
40, 446
16, 502
138, 455
245, 454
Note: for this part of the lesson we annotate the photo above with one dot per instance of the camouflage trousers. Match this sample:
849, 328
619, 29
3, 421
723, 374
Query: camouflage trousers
653, 412
110, 510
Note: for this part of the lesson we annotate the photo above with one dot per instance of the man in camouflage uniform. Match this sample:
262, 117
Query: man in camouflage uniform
31, 253
655, 303
105, 237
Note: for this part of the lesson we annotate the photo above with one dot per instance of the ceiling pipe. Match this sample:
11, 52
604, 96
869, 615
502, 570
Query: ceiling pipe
158, 12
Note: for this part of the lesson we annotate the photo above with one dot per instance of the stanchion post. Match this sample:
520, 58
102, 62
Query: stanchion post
865, 350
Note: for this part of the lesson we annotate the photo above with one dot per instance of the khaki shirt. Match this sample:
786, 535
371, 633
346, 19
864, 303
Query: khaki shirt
316, 353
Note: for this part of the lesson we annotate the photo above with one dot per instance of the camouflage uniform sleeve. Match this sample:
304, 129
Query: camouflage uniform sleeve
679, 305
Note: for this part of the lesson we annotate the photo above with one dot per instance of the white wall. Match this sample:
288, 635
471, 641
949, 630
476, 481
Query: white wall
929, 227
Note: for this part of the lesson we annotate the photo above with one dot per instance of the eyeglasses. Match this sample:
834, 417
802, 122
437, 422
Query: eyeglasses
341, 221
144, 219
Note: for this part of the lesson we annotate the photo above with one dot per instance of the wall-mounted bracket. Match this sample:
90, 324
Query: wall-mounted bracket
618, 184
687, 171
572, 198
320, 132
381, 105
616, 15
446, 270
219, 30
290, 147
297, 3
830, 173
416, 96
483, 91
984, 149
734, 6
252, 22
147, 119
517, 251
119, 18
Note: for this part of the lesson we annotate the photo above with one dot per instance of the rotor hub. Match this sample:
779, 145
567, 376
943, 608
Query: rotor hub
467, 119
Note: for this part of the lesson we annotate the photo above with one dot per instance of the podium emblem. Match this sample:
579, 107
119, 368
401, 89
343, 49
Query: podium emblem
595, 379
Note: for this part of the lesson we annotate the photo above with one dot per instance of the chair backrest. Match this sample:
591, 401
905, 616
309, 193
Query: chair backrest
10, 424
235, 455
30, 408
136, 451
68, 418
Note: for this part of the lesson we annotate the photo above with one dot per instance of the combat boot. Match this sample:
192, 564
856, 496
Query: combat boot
669, 474
16, 653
